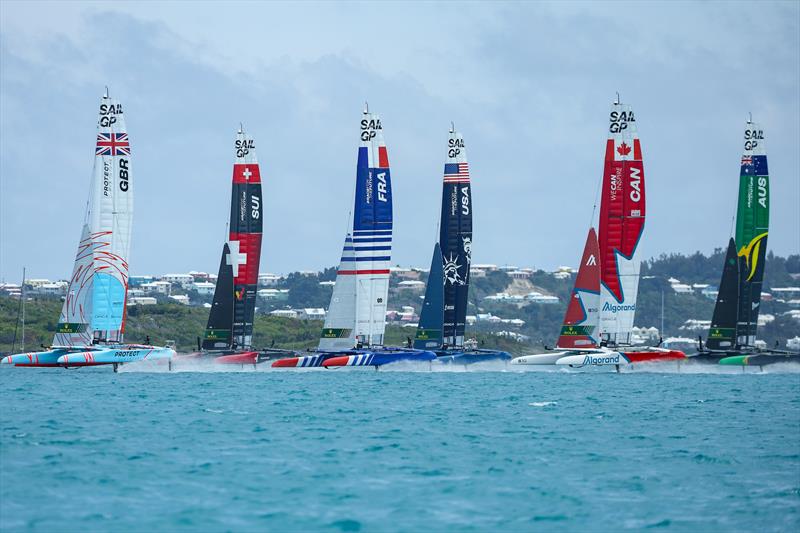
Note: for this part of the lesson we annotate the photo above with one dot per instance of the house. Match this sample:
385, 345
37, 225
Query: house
274, 294
284, 313
268, 280
327, 283
311, 313
203, 288
181, 280
160, 287
519, 274
135, 281
412, 285
142, 300
180, 298
539, 298
682, 288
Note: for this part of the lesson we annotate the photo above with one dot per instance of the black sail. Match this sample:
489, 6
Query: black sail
722, 335
220, 318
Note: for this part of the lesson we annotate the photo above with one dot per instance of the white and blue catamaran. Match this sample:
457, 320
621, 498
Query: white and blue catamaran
353, 334
92, 323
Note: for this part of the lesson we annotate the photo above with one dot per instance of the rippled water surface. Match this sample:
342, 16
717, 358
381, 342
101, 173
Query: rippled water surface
365, 450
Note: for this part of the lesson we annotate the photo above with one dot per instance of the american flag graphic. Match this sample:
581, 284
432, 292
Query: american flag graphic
456, 172
113, 144
747, 160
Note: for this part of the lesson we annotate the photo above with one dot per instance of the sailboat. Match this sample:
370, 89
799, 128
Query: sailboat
228, 337
621, 225
731, 338
92, 322
444, 311
353, 333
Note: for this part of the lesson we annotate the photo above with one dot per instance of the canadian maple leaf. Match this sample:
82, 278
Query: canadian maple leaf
624, 149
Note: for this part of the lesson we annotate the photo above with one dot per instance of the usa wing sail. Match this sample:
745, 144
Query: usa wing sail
94, 306
581, 319
455, 238
722, 335
622, 216
752, 227
244, 241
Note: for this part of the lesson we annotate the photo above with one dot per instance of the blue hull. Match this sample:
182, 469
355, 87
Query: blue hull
380, 357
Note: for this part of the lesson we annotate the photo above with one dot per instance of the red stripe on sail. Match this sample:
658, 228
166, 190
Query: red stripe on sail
383, 157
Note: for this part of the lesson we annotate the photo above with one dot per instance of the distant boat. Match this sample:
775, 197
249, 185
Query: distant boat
228, 337
732, 336
92, 323
353, 333
444, 311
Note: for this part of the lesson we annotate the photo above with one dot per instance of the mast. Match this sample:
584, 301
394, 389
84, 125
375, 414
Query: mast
455, 239
622, 216
22, 294
244, 237
581, 317
752, 227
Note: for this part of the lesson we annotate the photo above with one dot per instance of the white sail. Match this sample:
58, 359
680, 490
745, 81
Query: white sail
94, 306
339, 332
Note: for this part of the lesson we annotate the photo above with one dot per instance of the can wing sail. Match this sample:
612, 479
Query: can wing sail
339, 331
455, 238
244, 240
722, 335
94, 306
622, 216
431, 318
581, 318
220, 319
752, 227
372, 233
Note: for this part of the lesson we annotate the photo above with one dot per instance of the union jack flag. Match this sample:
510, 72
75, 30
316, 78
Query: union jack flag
113, 144
456, 172
747, 160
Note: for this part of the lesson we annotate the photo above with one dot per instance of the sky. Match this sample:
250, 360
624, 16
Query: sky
528, 84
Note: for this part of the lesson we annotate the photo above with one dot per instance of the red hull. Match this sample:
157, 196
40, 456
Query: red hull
643, 357
244, 358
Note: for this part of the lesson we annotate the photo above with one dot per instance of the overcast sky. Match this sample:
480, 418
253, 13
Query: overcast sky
529, 86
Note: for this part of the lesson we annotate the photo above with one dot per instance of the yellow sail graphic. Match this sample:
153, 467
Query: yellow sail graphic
750, 254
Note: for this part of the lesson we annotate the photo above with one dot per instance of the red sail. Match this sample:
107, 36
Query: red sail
580, 321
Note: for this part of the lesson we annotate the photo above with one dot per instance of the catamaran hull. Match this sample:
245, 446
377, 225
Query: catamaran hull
594, 359
306, 361
655, 355
127, 354
376, 359
759, 360
539, 358
32, 359
471, 357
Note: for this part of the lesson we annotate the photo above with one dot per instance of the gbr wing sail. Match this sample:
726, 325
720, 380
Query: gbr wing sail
622, 216
94, 306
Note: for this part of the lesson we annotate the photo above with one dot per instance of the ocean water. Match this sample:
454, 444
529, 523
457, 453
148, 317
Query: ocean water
350, 450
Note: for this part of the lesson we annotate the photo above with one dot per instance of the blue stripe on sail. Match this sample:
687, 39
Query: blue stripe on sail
367, 248
360, 232
368, 239
386, 258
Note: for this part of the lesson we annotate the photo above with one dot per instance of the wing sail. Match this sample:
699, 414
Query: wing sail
431, 318
722, 335
582, 316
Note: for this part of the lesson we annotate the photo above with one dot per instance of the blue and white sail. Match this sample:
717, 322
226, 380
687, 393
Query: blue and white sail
362, 281
94, 306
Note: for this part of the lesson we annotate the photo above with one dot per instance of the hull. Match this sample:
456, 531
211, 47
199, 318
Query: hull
233, 357
31, 359
121, 354
308, 361
653, 355
606, 358
379, 358
469, 357
552, 357
759, 360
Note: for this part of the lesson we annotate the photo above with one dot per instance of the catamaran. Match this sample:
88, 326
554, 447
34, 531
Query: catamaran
622, 217
228, 337
732, 336
444, 310
353, 334
92, 323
